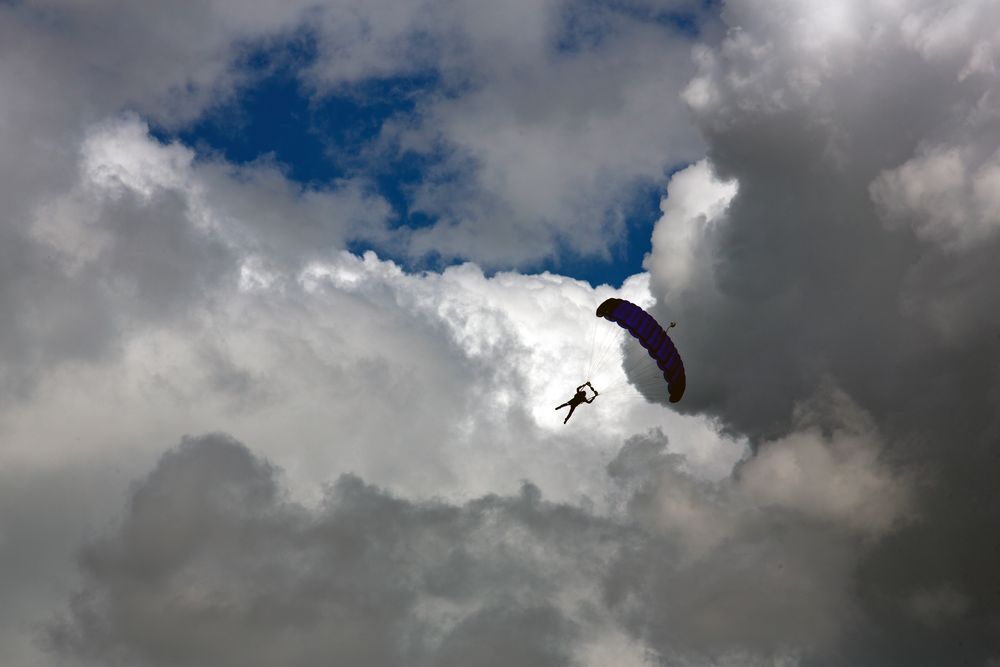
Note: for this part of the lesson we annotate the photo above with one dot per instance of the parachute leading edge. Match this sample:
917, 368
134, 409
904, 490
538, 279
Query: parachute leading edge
652, 337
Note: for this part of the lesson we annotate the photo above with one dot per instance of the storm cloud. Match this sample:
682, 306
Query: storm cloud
213, 566
213, 563
842, 234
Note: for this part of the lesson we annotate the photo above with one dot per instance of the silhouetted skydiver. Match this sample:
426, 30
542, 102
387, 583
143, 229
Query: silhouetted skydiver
579, 397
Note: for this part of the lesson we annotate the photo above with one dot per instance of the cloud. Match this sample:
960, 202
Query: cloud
829, 468
939, 605
409, 369
88, 191
213, 566
213, 562
46, 513
558, 150
166, 61
144, 235
548, 116
756, 567
437, 386
682, 238
832, 265
940, 199
858, 142
151, 293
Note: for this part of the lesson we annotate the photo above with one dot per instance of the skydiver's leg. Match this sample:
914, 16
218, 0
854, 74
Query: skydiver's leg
571, 409
563, 405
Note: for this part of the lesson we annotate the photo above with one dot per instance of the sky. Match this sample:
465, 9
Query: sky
289, 291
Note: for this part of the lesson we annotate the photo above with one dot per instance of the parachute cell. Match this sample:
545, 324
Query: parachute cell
652, 337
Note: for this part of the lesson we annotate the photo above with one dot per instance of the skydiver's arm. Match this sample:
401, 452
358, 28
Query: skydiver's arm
580, 388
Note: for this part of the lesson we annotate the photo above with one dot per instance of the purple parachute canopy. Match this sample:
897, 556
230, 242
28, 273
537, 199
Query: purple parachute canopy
652, 337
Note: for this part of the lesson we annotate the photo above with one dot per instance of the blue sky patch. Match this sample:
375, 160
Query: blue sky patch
317, 140
627, 253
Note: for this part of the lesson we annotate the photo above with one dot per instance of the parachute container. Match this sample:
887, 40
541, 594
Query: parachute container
652, 337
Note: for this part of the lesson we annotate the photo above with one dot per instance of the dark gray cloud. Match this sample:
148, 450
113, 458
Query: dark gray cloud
45, 514
736, 570
857, 252
214, 564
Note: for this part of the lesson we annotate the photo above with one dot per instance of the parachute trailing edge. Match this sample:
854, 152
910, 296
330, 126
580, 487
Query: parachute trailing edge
652, 337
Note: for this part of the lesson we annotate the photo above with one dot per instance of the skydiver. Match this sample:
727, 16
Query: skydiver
579, 397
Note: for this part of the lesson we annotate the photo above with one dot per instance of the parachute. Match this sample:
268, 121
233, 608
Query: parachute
652, 337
